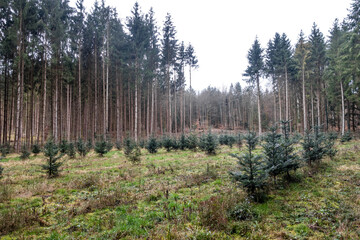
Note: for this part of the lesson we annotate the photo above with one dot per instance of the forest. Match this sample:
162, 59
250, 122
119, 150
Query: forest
70, 74
103, 137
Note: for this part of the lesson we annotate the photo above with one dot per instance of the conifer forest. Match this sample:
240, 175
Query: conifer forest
102, 135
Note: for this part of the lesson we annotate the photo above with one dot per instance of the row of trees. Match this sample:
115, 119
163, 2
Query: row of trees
70, 74
315, 82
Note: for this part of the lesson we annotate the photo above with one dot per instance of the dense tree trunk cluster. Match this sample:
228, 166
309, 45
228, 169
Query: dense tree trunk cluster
68, 74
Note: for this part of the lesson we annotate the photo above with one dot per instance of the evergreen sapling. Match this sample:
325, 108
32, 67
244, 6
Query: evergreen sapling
35, 149
25, 153
81, 148
152, 145
273, 153
251, 175
101, 147
70, 151
52, 165
209, 143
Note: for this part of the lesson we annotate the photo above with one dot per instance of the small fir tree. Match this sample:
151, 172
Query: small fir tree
63, 146
167, 143
152, 145
142, 143
70, 151
346, 137
5, 150
118, 145
192, 142
109, 146
289, 159
25, 153
175, 144
52, 166
101, 147
89, 145
132, 150
35, 149
183, 142
273, 152
231, 140
316, 145
252, 175
81, 148
239, 141
1, 171
209, 143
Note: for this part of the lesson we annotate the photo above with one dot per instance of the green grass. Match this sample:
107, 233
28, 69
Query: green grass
176, 195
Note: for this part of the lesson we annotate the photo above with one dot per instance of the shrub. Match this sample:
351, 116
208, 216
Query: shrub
81, 148
213, 213
152, 145
35, 149
52, 164
242, 211
1, 171
142, 143
209, 143
70, 151
101, 147
25, 153
252, 175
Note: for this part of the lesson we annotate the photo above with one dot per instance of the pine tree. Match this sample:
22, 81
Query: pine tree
255, 71
209, 143
152, 145
1, 171
252, 175
118, 145
63, 146
52, 165
192, 142
25, 153
5, 150
183, 142
89, 145
81, 148
289, 159
35, 149
70, 151
273, 153
316, 146
167, 143
101, 147
131, 150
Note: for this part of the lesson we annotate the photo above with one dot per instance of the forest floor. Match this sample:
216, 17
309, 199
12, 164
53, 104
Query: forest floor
176, 195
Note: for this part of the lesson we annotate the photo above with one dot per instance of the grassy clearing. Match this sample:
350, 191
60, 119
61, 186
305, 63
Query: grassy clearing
176, 195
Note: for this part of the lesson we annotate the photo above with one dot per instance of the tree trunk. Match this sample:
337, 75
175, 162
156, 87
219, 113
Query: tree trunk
342, 109
259, 104
304, 97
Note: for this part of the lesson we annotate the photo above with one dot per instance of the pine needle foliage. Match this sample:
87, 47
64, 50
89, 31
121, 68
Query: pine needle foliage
52, 165
192, 142
131, 150
183, 142
25, 153
81, 148
70, 151
289, 158
316, 145
1, 171
252, 175
152, 145
35, 149
101, 147
272, 150
63, 146
209, 143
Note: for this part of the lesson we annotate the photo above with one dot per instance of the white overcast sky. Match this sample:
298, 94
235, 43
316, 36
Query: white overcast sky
223, 31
